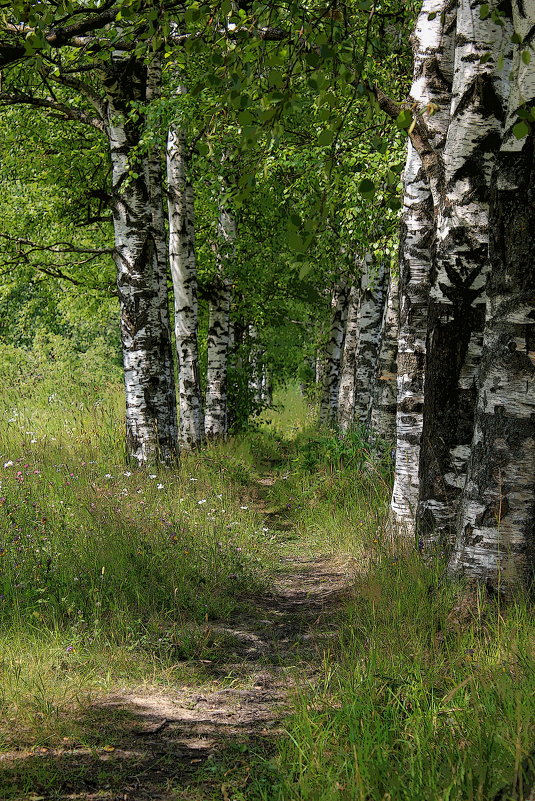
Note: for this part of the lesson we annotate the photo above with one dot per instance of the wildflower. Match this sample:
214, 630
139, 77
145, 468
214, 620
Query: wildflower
244, 507
3, 551
69, 649
127, 473
203, 500
8, 464
194, 479
159, 486
153, 475
108, 475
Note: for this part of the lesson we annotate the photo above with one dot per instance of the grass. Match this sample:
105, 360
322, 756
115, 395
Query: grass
114, 578
109, 574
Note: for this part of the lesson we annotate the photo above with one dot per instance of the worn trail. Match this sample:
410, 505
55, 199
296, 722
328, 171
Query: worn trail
163, 744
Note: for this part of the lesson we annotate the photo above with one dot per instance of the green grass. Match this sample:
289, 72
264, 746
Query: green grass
113, 578
114, 574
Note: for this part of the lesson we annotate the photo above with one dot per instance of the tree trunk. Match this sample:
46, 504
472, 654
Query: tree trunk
184, 275
382, 413
433, 72
456, 312
371, 310
151, 433
496, 523
333, 355
346, 392
215, 423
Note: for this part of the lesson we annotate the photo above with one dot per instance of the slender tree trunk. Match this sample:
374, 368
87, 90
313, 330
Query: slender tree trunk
333, 354
184, 275
219, 330
496, 522
259, 380
151, 432
383, 406
433, 73
371, 310
346, 392
456, 312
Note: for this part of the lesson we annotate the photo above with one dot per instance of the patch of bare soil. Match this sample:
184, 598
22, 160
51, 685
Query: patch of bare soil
159, 743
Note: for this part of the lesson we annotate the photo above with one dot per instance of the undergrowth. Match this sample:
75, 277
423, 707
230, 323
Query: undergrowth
115, 577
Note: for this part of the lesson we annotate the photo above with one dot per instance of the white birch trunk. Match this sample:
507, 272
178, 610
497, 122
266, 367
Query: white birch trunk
496, 523
383, 406
371, 310
184, 275
259, 383
215, 422
433, 73
457, 300
151, 432
346, 392
333, 355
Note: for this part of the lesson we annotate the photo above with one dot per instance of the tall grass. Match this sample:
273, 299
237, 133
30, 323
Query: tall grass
429, 692
97, 558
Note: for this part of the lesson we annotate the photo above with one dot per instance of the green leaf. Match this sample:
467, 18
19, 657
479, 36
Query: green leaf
404, 119
521, 129
516, 38
432, 15
325, 138
245, 117
275, 78
305, 270
484, 11
366, 187
526, 56
394, 204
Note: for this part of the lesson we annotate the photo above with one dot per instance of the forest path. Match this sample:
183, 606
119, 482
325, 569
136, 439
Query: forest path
193, 743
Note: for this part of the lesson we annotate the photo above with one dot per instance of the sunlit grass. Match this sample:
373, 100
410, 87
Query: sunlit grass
113, 577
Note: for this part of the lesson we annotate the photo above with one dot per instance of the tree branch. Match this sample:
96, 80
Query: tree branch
62, 110
418, 134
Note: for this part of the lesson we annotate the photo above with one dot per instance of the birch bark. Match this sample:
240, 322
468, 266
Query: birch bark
383, 405
456, 311
433, 73
151, 432
372, 302
346, 392
496, 523
184, 275
333, 354
215, 422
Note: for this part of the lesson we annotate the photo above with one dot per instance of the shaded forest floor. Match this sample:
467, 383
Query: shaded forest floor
242, 629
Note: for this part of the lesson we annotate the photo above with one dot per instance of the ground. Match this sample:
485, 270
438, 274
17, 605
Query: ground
193, 743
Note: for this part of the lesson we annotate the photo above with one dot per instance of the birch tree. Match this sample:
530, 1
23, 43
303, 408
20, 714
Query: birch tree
346, 392
219, 327
151, 432
371, 309
495, 528
333, 354
456, 312
433, 73
182, 260
383, 396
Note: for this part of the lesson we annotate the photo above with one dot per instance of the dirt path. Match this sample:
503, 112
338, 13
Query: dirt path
163, 745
